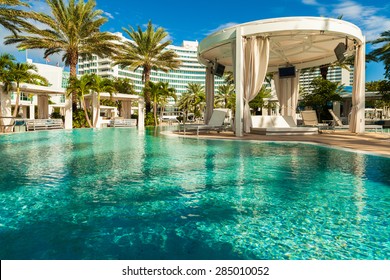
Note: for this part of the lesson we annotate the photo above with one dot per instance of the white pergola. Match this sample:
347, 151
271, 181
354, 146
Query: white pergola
126, 99
251, 50
42, 93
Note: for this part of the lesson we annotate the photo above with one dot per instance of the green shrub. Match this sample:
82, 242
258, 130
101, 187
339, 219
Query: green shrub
149, 119
79, 119
55, 115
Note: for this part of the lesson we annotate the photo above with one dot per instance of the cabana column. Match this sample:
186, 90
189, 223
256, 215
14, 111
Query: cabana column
357, 124
209, 93
43, 107
68, 113
238, 58
141, 114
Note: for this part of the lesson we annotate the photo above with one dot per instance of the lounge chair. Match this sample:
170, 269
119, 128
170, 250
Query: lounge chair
216, 123
121, 122
44, 124
309, 118
338, 124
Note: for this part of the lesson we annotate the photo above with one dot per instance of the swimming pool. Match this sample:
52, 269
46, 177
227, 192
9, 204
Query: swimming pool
123, 194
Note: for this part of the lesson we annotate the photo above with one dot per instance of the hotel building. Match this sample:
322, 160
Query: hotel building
190, 70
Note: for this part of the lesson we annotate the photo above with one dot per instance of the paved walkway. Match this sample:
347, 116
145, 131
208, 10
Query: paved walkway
375, 143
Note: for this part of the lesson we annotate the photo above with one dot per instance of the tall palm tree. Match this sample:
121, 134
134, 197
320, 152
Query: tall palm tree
12, 18
382, 53
81, 87
24, 73
147, 50
72, 30
100, 85
159, 92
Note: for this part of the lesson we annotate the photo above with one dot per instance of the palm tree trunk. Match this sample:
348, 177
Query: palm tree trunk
73, 73
155, 111
85, 111
148, 106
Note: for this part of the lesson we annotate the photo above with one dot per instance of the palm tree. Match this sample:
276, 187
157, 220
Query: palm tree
24, 73
12, 18
6, 62
81, 87
382, 53
223, 96
258, 102
71, 30
100, 85
159, 92
125, 86
147, 50
193, 100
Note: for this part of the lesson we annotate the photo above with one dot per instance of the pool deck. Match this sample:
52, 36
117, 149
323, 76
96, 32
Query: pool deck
370, 142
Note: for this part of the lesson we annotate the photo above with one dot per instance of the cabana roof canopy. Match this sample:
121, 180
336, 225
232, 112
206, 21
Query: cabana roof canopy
303, 42
117, 96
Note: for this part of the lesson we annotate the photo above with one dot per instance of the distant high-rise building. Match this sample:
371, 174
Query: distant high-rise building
335, 74
190, 70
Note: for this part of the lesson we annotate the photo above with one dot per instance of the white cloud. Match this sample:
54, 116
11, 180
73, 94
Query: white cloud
368, 18
310, 2
222, 26
109, 15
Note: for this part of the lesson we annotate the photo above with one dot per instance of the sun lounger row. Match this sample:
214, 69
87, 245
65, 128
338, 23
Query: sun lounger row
43, 124
337, 124
123, 122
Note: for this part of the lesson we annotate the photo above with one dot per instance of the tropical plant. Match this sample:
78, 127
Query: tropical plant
323, 92
125, 86
23, 73
258, 102
13, 18
382, 53
148, 49
81, 87
384, 90
229, 77
6, 62
223, 97
193, 100
72, 29
159, 92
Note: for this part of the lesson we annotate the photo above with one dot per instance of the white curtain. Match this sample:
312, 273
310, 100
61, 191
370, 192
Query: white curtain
357, 121
287, 91
294, 96
256, 56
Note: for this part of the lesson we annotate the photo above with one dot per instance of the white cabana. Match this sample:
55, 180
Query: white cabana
126, 99
251, 50
42, 93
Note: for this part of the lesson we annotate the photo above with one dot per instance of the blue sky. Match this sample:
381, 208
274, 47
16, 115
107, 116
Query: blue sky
194, 20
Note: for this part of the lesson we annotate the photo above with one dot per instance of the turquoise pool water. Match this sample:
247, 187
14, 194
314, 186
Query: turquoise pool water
121, 194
